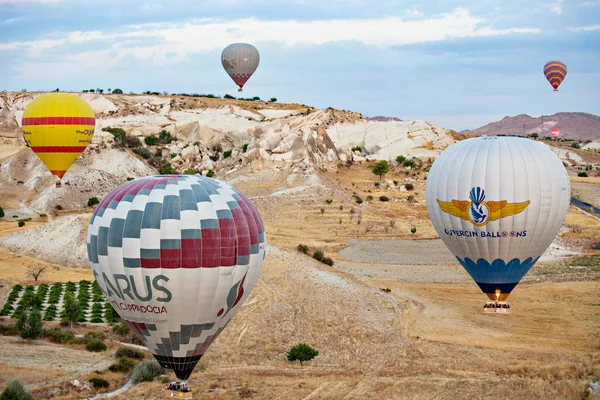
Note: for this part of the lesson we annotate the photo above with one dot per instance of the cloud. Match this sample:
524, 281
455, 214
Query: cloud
557, 7
585, 28
204, 35
589, 4
414, 12
29, 1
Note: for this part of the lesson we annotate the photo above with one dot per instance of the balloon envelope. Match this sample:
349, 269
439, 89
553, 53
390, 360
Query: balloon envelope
555, 72
58, 127
240, 60
176, 256
554, 132
497, 203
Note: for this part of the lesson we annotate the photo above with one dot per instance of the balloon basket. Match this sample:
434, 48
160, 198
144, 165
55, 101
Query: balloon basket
177, 390
496, 307
58, 184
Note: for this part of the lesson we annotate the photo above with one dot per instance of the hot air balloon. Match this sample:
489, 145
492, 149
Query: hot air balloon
497, 203
240, 60
554, 132
176, 256
58, 127
555, 72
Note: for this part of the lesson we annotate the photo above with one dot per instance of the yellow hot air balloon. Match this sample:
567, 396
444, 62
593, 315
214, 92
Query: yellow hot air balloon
58, 127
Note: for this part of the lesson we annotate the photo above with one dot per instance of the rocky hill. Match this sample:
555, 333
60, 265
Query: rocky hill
139, 135
572, 125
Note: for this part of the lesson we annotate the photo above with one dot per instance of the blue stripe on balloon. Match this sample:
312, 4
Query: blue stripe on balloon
498, 272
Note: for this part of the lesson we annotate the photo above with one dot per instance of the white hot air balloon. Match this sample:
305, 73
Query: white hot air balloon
176, 256
497, 204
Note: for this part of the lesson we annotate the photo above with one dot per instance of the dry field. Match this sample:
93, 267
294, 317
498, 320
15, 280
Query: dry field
425, 338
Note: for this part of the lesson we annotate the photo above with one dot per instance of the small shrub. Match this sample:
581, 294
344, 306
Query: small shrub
142, 152
327, 260
15, 391
409, 186
400, 159
302, 248
322, 211
21, 223
387, 290
318, 255
190, 171
124, 364
59, 207
583, 174
210, 173
9, 330
383, 198
358, 200
410, 198
30, 326
92, 201
1, 213
575, 145
369, 198
301, 352
244, 147
356, 148
329, 201
95, 346
99, 383
226, 153
413, 230
129, 352
598, 246
146, 371
272, 99
56, 335
167, 169
121, 329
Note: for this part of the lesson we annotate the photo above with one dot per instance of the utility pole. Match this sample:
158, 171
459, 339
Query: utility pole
542, 128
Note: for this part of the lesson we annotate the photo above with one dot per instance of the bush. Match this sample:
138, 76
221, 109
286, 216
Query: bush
598, 246
356, 148
228, 96
167, 169
1, 213
575, 145
9, 330
129, 352
190, 171
272, 99
15, 391
95, 345
56, 335
302, 352
327, 260
21, 223
413, 230
111, 316
99, 383
409, 163
583, 174
409, 186
318, 255
383, 198
121, 329
146, 371
30, 326
302, 248
210, 173
244, 147
124, 364
400, 159
132, 142
165, 137
142, 152
226, 153
92, 201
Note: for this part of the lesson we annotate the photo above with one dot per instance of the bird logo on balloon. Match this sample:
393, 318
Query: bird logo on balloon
478, 211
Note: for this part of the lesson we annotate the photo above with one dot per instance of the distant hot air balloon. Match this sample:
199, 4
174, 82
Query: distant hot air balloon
555, 72
177, 256
240, 60
554, 132
58, 127
497, 203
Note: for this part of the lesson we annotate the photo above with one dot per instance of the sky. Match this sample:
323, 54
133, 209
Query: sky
458, 64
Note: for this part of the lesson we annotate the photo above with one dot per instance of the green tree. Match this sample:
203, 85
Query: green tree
117, 91
400, 159
381, 168
15, 391
534, 135
92, 201
301, 352
71, 309
30, 326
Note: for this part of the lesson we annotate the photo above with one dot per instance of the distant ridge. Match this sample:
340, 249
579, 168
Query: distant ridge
572, 125
383, 119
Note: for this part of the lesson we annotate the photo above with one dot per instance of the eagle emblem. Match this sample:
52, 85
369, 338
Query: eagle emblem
478, 211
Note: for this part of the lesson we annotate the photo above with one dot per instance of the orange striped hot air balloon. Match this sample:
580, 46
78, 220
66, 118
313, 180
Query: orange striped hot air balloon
555, 72
58, 127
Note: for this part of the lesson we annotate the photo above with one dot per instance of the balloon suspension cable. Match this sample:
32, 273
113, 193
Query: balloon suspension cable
240, 89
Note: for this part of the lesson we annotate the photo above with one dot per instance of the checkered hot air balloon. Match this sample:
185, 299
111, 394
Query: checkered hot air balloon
555, 72
177, 256
240, 60
554, 132
58, 127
